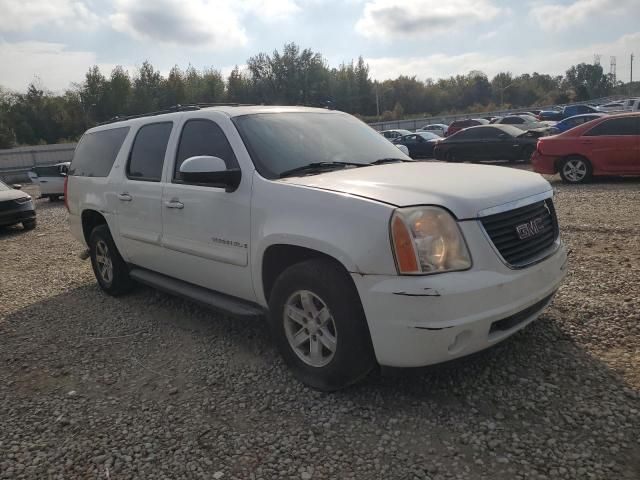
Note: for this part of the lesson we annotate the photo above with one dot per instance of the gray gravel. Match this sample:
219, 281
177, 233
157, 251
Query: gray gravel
149, 386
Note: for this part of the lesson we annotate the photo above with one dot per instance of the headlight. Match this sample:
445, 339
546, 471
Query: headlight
427, 240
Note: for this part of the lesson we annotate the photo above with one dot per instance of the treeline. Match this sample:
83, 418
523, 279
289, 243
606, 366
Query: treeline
290, 77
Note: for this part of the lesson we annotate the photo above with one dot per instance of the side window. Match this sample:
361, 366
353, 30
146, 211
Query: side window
203, 137
615, 126
491, 132
147, 154
97, 151
513, 120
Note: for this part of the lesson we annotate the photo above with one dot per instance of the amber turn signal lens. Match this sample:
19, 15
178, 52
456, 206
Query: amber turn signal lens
404, 248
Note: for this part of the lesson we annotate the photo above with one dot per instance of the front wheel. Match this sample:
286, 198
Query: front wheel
108, 266
527, 152
576, 170
29, 224
319, 326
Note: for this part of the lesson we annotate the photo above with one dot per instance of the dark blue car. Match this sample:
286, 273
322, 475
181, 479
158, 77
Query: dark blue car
566, 112
569, 123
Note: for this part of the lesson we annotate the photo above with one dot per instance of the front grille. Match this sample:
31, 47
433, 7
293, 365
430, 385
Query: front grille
523, 234
517, 318
7, 205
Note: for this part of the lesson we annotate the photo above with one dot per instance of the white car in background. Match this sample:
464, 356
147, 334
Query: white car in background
612, 107
439, 129
50, 180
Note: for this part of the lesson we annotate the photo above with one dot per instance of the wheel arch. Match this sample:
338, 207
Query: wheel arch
91, 219
558, 163
278, 256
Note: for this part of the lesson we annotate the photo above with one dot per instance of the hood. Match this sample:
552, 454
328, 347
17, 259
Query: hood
6, 195
462, 188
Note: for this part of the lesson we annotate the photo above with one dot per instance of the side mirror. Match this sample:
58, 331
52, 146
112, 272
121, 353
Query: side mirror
209, 171
16, 186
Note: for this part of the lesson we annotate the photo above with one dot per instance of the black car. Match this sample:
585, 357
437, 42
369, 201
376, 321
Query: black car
420, 144
16, 207
488, 142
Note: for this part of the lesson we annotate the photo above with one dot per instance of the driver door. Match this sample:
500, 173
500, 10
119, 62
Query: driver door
206, 230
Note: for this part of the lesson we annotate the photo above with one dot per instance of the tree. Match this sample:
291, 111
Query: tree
588, 81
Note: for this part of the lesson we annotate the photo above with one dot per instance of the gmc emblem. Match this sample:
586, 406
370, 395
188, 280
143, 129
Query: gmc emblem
529, 229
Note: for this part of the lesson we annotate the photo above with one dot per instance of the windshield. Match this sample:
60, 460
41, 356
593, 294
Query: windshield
429, 135
4, 186
279, 142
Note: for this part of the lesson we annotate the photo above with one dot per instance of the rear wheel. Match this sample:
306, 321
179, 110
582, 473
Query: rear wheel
451, 156
319, 326
54, 198
576, 170
108, 266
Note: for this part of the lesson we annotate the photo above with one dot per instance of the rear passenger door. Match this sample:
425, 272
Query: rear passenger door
206, 229
612, 145
139, 206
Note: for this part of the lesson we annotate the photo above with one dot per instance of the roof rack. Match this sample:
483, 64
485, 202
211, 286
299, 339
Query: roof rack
176, 108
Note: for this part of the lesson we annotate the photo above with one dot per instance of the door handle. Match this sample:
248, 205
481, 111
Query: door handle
125, 197
44, 181
174, 204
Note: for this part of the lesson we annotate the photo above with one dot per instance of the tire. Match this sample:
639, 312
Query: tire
576, 170
109, 268
526, 154
54, 198
29, 224
310, 288
450, 156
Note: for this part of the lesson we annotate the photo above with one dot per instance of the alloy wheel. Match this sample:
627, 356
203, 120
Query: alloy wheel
310, 328
103, 261
575, 170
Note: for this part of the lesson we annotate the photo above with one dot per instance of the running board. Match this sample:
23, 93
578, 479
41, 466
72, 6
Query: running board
217, 301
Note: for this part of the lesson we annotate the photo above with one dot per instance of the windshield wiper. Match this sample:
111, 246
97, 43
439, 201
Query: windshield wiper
382, 161
316, 167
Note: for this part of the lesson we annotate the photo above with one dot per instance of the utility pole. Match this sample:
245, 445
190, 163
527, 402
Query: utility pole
631, 75
377, 103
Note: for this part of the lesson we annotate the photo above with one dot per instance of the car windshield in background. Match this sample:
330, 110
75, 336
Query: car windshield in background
285, 141
429, 136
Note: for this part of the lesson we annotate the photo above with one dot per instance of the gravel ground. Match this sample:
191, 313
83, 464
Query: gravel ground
149, 386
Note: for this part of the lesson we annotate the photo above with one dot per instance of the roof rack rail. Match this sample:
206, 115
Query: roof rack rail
176, 108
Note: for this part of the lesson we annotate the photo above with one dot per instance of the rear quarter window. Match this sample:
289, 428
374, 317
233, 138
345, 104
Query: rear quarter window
97, 151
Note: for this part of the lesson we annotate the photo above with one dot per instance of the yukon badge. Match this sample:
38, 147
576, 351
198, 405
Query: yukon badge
529, 229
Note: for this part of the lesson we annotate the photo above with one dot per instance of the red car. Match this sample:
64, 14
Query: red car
609, 145
462, 124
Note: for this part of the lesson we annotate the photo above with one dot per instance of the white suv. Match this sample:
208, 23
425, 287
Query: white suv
358, 255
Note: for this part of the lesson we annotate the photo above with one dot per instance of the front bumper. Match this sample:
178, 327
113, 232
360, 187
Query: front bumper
17, 215
424, 320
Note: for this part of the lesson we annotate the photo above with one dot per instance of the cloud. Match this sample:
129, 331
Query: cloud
419, 18
269, 10
196, 23
556, 16
52, 63
551, 62
18, 16
205, 24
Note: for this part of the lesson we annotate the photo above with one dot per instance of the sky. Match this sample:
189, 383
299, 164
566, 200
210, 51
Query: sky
56, 41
